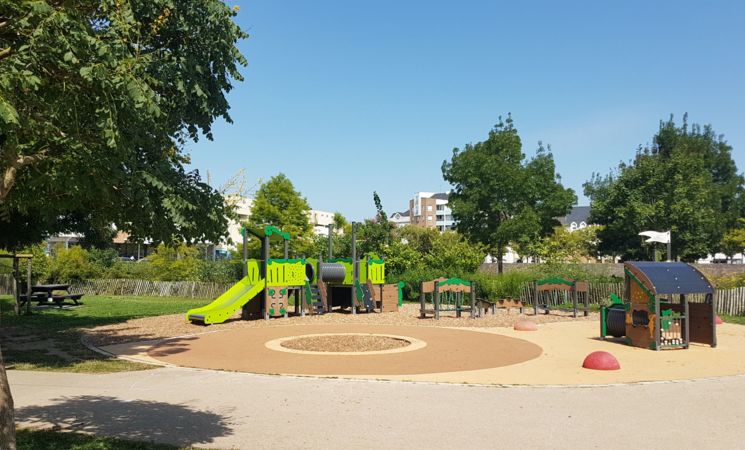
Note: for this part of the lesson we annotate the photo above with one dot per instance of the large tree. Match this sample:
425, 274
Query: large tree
97, 101
499, 196
278, 203
686, 182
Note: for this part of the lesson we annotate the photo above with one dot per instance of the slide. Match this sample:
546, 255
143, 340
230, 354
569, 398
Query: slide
228, 303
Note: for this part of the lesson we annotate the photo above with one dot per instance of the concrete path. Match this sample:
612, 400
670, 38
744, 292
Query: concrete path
237, 410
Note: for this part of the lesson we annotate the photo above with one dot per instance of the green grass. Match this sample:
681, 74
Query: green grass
49, 339
27, 439
733, 319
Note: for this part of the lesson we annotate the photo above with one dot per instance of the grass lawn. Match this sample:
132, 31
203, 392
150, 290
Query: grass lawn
49, 339
27, 439
733, 319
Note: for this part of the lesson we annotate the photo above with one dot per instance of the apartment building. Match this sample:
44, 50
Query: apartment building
430, 210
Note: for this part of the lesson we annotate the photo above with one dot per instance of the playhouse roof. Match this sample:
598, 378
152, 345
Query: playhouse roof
670, 277
270, 231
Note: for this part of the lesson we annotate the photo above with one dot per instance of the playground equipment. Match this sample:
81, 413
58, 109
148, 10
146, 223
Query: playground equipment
270, 281
347, 282
648, 316
447, 294
316, 286
560, 290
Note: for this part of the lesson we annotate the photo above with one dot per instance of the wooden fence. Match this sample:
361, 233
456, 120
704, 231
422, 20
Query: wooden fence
188, 289
729, 301
597, 292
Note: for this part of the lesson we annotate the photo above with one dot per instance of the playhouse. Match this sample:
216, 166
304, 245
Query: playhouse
667, 305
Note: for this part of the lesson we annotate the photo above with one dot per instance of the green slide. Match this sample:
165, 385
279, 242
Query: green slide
228, 303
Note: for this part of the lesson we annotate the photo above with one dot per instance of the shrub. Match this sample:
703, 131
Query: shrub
72, 265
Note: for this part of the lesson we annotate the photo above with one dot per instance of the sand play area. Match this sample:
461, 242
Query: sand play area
399, 346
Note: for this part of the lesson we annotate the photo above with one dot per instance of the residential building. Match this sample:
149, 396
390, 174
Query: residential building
577, 219
430, 210
400, 219
321, 221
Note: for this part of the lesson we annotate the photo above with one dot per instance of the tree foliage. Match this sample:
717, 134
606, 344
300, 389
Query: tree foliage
734, 239
97, 100
278, 203
500, 197
686, 182
565, 246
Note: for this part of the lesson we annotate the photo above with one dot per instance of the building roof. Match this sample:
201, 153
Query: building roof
578, 214
441, 196
670, 277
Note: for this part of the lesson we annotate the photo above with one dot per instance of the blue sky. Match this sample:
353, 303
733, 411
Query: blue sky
348, 97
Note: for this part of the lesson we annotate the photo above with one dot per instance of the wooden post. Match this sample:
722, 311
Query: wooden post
474, 310
16, 290
574, 299
28, 287
535, 299
657, 322
437, 300
422, 301
714, 319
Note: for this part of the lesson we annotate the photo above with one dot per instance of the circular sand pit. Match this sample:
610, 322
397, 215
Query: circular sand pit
345, 343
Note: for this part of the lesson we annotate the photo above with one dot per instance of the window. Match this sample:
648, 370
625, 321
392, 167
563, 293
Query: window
440, 217
429, 218
440, 207
429, 207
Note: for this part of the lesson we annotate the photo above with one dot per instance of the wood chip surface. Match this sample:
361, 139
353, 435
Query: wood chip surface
162, 327
345, 343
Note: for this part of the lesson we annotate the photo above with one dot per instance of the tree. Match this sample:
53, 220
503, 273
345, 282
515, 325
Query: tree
569, 246
375, 234
341, 225
278, 203
686, 182
97, 100
734, 239
498, 197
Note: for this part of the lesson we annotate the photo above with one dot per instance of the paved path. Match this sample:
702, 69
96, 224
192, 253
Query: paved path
236, 410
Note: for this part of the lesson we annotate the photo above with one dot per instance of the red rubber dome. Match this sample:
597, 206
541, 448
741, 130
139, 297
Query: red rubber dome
525, 325
719, 320
601, 361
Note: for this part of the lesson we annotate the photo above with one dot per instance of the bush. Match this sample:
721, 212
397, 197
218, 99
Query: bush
72, 265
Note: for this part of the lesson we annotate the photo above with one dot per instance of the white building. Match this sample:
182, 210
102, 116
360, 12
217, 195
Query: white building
319, 219
400, 219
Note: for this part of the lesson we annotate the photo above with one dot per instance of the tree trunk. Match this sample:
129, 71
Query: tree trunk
7, 423
500, 263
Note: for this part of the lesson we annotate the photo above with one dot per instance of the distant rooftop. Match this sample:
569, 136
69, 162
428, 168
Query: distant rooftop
577, 215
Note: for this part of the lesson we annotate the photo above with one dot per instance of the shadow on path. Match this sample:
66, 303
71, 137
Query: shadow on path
137, 419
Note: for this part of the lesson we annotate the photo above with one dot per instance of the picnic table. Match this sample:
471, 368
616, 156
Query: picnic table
45, 293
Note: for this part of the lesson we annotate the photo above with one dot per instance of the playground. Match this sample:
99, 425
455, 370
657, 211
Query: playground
456, 351
307, 317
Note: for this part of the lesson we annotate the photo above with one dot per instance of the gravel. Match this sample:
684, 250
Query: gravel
345, 343
162, 327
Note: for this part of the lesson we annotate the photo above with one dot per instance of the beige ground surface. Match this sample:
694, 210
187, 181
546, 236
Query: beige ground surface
174, 325
564, 346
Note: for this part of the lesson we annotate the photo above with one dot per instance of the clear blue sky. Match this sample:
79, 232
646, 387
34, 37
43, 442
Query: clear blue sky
347, 97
